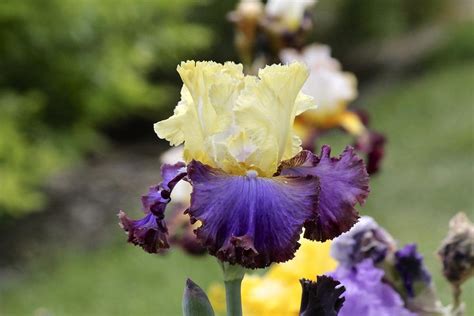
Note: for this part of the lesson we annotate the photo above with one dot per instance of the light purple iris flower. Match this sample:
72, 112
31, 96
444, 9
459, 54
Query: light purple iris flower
366, 294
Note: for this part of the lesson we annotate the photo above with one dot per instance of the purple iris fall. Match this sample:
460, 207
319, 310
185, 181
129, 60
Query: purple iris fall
254, 188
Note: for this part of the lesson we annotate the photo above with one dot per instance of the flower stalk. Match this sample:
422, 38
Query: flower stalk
233, 297
233, 276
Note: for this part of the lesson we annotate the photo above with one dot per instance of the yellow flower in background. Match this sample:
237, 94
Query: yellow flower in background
311, 259
234, 122
278, 292
331, 88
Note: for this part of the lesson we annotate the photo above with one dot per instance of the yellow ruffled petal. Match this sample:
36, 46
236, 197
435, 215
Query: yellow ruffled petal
205, 109
266, 109
304, 103
170, 129
234, 122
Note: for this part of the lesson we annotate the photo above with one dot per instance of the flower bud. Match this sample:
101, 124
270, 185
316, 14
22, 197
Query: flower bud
457, 250
195, 301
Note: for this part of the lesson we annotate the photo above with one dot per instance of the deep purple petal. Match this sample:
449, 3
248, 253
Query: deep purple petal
159, 195
249, 220
322, 298
373, 145
172, 174
150, 233
344, 182
409, 264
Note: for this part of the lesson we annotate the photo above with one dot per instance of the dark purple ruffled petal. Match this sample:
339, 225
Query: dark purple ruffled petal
159, 196
249, 220
373, 145
344, 182
321, 298
409, 264
150, 233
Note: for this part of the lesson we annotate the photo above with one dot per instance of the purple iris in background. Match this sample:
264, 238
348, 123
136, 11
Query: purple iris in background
409, 264
365, 240
253, 188
366, 294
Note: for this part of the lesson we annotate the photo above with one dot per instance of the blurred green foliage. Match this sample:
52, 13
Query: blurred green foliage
69, 67
345, 23
457, 46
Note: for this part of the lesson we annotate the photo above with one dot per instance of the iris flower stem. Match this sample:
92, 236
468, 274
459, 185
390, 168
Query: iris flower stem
456, 296
232, 297
233, 276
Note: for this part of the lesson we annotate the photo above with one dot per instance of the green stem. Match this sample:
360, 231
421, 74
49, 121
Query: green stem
233, 276
456, 296
232, 297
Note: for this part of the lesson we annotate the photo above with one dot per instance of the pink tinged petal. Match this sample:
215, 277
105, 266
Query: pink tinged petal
344, 182
249, 220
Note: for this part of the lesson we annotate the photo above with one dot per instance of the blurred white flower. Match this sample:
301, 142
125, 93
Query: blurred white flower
290, 11
247, 9
330, 87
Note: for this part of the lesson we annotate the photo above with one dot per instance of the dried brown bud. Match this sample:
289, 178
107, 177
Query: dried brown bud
457, 250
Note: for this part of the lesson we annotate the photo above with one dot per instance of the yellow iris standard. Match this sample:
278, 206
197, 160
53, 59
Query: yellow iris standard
235, 122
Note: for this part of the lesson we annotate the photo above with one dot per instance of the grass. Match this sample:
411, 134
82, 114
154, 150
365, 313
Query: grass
121, 280
427, 177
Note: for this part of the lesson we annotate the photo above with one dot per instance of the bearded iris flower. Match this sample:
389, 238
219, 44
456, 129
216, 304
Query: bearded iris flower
254, 188
333, 90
